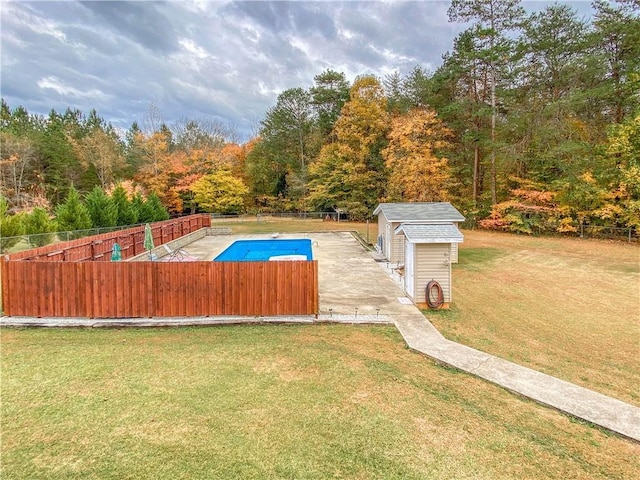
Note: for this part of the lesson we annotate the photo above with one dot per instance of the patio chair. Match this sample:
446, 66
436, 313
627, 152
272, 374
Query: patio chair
178, 255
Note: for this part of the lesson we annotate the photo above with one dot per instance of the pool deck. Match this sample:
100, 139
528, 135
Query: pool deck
355, 287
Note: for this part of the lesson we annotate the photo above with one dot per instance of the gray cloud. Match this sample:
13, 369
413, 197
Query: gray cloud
198, 59
273, 16
144, 23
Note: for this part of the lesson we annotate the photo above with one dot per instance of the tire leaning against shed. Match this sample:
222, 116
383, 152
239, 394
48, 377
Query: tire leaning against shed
435, 296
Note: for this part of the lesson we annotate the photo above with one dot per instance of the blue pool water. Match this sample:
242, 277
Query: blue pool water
263, 250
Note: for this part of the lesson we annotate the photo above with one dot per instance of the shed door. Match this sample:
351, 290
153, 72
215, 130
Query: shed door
408, 269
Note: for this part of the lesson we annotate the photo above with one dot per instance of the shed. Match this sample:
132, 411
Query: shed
392, 215
428, 257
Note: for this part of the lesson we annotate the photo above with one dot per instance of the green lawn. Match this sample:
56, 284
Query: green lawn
563, 306
337, 401
267, 402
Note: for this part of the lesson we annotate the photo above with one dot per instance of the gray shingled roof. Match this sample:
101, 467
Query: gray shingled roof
419, 212
431, 233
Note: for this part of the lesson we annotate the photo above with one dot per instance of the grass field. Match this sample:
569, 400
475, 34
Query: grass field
267, 402
336, 401
369, 232
566, 307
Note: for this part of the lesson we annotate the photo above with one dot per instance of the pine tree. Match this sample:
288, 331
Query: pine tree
126, 213
102, 210
11, 226
40, 226
72, 214
155, 207
493, 19
328, 96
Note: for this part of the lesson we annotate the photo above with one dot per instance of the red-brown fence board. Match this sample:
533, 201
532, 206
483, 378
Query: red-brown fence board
159, 289
76, 279
99, 247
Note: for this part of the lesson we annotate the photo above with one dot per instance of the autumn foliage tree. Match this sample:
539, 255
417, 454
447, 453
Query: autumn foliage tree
623, 154
417, 172
349, 173
531, 209
16, 158
100, 152
219, 192
156, 165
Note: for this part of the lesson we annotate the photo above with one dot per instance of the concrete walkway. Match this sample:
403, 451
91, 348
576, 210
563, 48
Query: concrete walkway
377, 288
351, 280
356, 289
607, 412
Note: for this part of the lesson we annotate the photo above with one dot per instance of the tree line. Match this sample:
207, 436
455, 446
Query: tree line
530, 124
77, 215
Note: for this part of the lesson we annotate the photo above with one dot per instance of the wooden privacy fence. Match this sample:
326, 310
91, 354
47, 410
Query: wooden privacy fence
98, 247
159, 289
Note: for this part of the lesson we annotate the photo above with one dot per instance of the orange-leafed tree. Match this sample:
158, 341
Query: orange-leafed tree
531, 209
418, 172
188, 166
163, 169
233, 156
349, 173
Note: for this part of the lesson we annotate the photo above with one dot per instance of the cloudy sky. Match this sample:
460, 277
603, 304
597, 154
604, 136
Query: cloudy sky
207, 60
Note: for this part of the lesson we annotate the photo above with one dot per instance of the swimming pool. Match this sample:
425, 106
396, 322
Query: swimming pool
265, 250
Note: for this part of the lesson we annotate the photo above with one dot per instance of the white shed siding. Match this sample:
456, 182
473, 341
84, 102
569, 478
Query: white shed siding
454, 249
392, 244
432, 262
397, 245
382, 223
409, 267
